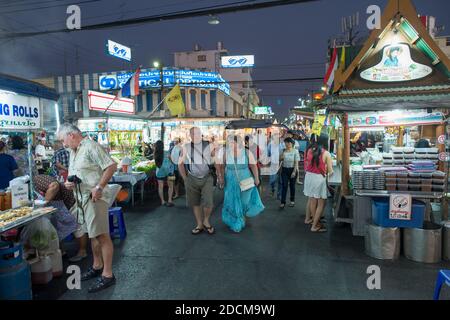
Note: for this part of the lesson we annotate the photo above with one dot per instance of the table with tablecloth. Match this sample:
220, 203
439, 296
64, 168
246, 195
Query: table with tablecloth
132, 179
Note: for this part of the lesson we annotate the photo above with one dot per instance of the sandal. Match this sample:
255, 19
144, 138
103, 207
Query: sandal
321, 229
169, 204
309, 221
196, 231
210, 229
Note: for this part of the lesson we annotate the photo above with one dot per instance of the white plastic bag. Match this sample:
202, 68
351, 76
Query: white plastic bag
39, 234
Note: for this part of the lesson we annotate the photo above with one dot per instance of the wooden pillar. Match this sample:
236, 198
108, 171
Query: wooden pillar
346, 157
401, 131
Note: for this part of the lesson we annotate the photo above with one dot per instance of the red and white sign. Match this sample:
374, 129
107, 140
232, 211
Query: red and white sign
441, 139
400, 206
100, 102
443, 156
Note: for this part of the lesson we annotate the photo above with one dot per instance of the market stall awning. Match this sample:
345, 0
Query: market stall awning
27, 87
389, 102
253, 124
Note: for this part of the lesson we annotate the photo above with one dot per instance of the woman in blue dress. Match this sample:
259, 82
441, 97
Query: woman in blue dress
237, 204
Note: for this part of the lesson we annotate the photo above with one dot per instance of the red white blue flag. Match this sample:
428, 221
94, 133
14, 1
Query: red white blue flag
131, 87
329, 77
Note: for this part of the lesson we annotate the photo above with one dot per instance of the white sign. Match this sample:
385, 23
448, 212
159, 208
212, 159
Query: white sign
400, 206
100, 102
238, 61
19, 194
396, 65
119, 51
262, 110
19, 111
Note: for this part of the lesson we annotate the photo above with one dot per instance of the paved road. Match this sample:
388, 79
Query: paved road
275, 257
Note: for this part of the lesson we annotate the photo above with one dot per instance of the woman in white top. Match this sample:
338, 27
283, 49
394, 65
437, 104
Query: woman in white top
290, 158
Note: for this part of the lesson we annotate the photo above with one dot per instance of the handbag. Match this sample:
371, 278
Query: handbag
245, 184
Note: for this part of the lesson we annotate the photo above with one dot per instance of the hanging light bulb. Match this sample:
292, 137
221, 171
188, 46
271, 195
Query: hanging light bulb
213, 19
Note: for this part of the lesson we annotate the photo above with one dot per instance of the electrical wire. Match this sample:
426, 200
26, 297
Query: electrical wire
49, 7
211, 10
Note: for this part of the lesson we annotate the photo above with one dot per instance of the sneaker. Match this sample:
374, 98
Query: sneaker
91, 274
102, 283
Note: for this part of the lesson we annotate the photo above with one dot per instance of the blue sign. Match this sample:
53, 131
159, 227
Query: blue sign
151, 79
119, 51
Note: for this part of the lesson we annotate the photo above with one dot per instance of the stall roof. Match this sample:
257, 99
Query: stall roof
253, 124
400, 26
27, 87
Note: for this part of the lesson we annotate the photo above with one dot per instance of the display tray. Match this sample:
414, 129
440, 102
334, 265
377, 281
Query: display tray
35, 214
387, 193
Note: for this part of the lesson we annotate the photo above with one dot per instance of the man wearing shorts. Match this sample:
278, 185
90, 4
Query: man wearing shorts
91, 164
194, 168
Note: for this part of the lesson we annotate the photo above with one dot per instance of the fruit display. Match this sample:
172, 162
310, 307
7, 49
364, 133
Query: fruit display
13, 215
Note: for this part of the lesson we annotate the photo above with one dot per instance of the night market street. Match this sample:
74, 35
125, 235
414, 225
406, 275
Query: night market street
275, 257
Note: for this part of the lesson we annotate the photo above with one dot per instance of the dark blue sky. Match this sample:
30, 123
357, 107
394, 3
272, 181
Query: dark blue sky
288, 41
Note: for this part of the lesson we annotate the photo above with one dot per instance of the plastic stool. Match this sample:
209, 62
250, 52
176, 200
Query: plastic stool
69, 238
119, 228
443, 277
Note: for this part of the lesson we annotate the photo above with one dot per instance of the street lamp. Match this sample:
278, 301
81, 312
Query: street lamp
159, 66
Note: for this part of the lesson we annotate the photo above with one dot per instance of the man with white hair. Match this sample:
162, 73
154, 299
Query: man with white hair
90, 170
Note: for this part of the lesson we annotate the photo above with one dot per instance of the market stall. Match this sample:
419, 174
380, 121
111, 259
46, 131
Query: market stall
398, 83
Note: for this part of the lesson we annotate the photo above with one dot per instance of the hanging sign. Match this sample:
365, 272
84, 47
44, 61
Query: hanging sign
396, 65
118, 50
19, 111
100, 102
400, 206
394, 118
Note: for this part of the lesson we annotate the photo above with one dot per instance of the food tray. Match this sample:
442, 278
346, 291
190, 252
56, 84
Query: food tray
414, 181
391, 187
413, 187
426, 188
402, 187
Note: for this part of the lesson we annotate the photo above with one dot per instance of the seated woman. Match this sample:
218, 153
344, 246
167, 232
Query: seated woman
64, 222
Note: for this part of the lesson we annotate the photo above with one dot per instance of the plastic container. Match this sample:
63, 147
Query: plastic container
415, 187
391, 187
426, 188
438, 182
15, 277
423, 244
426, 175
414, 174
414, 181
439, 175
382, 243
380, 214
391, 180
41, 270
402, 180
390, 174
403, 174
438, 188
402, 187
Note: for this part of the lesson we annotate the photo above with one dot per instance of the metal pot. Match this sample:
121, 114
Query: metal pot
382, 243
425, 244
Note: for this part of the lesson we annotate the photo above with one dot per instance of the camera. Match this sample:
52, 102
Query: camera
74, 179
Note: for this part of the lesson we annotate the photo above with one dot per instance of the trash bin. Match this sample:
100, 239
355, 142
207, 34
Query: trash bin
446, 240
425, 244
382, 243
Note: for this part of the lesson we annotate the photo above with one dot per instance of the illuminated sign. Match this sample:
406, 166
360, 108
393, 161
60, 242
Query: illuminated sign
119, 51
238, 61
100, 102
262, 110
394, 118
18, 111
151, 79
396, 65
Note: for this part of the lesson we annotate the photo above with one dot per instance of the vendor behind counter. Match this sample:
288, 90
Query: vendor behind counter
416, 140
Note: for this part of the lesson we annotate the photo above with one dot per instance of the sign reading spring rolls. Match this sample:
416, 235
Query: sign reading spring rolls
396, 65
19, 111
400, 206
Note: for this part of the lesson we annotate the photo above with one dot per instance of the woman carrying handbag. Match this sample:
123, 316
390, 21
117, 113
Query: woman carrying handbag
241, 198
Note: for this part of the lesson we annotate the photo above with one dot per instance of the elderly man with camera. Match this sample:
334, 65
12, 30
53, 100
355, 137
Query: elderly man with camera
90, 170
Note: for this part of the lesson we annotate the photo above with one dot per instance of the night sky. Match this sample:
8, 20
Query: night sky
288, 41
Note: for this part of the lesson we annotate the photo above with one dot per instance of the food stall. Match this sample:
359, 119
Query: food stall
398, 80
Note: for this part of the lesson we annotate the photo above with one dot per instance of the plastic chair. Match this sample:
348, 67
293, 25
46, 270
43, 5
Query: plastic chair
117, 229
443, 277
114, 190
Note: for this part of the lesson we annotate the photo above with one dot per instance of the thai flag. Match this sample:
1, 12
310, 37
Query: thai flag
131, 87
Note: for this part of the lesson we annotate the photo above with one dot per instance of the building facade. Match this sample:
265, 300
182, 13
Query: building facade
240, 79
